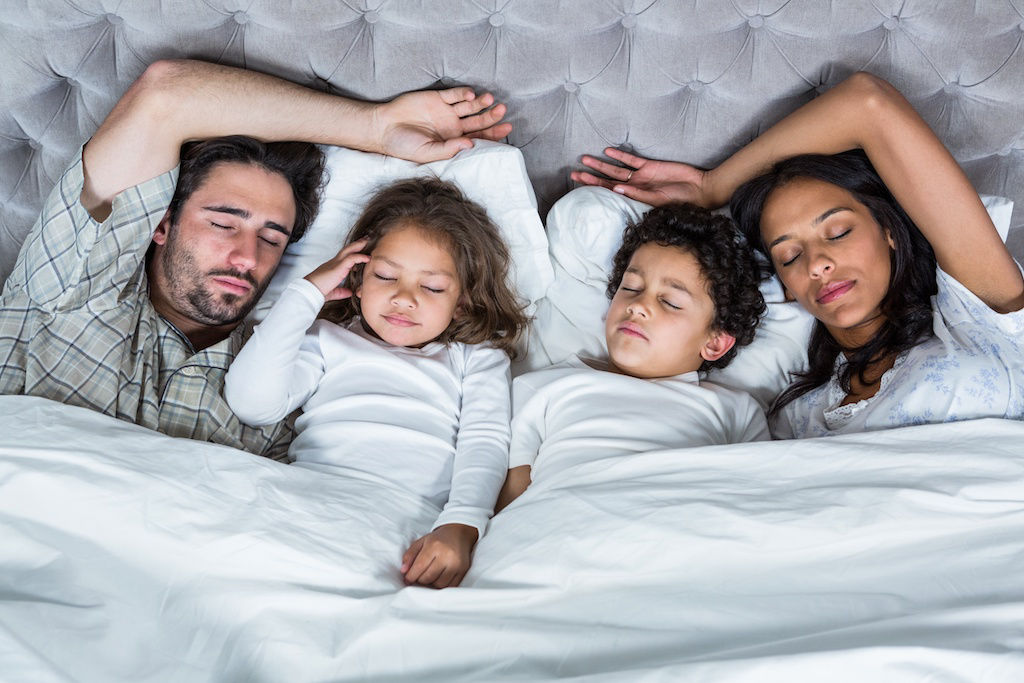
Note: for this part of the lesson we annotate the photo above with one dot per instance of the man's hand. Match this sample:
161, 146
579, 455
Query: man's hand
330, 275
436, 124
441, 558
653, 182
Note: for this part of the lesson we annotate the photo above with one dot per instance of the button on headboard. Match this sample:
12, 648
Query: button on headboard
675, 79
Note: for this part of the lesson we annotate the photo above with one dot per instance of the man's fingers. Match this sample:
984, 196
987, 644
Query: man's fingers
493, 133
457, 94
470, 107
484, 120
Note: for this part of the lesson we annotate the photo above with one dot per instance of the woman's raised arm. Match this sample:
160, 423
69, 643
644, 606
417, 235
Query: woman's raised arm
866, 112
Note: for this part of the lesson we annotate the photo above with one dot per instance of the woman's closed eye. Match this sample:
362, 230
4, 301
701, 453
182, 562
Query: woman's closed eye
840, 235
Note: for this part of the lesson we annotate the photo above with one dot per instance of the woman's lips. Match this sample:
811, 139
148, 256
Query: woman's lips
834, 290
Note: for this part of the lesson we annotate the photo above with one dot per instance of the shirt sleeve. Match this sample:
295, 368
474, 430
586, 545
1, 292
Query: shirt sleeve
481, 449
280, 366
753, 426
971, 318
528, 428
69, 258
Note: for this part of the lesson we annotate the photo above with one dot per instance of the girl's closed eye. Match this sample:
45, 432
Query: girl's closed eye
433, 290
671, 305
385, 278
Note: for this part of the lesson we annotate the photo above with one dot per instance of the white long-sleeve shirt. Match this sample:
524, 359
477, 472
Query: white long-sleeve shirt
572, 412
433, 420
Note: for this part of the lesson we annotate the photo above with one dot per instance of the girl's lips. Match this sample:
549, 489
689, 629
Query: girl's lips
399, 321
632, 330
835, 290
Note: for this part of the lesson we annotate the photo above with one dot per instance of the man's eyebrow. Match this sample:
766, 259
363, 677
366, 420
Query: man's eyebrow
246, 215
817, 221
394, 264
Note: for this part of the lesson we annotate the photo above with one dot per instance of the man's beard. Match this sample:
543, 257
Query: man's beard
188, 288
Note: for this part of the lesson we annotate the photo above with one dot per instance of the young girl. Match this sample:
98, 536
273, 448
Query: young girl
406, 377
684, 297
918, 302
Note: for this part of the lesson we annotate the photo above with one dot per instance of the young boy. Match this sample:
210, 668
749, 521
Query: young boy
684, 297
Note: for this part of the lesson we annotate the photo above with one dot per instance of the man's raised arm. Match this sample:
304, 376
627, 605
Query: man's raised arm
175, 101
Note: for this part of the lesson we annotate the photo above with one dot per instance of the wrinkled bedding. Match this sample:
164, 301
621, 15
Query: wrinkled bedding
129, 555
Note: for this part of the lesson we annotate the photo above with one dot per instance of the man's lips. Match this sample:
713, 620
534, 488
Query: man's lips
233, 284
833, 291
399, 321
632, 330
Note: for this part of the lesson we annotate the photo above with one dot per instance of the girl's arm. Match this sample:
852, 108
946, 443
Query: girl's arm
442, 557
280, 366
865, 112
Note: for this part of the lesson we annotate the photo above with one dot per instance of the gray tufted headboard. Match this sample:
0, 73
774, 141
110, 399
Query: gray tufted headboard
678, 79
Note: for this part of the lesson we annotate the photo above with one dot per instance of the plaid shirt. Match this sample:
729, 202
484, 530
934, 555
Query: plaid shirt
77, 324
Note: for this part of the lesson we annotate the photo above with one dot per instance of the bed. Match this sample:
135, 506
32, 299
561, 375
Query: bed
129, 555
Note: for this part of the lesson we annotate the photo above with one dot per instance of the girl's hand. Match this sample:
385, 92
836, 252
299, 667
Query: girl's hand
441, 558
329, 277
649, 181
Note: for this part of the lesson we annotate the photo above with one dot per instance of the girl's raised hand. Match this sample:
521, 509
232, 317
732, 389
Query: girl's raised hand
330, 275
649, 181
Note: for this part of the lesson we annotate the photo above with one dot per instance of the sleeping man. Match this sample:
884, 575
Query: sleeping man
129, 292
684, 297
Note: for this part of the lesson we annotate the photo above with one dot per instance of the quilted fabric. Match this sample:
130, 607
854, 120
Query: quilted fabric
689, 80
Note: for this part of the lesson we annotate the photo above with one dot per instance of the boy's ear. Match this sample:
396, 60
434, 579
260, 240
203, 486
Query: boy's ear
717, 345
162, 228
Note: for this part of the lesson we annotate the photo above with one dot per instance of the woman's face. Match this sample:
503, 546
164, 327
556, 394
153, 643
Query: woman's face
831, 255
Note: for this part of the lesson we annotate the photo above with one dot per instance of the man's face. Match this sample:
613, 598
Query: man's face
210, 269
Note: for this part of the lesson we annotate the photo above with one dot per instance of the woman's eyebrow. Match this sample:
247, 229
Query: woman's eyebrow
816, 222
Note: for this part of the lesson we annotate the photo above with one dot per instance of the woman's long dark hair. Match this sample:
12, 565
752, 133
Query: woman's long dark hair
906, 305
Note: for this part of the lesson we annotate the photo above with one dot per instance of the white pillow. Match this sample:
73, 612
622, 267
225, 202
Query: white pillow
490, 173
584, 232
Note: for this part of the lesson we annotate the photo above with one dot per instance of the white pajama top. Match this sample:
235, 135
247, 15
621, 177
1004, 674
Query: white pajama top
433, 420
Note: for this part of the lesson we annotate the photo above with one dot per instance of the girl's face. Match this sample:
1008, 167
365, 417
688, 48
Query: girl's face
831, 255
659, 321
410, 290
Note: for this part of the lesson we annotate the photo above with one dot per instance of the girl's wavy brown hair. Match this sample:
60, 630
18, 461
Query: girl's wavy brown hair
489, 310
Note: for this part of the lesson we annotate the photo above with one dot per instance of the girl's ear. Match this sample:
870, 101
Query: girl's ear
717, 345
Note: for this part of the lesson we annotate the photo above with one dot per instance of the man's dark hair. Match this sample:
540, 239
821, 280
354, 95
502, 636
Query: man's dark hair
726, 262
907, 303
301, 164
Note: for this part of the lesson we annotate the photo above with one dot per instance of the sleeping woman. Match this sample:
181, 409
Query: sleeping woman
874, 229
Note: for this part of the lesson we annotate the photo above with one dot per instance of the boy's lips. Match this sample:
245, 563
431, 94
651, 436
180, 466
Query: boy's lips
399, 320
834, 290
632, 330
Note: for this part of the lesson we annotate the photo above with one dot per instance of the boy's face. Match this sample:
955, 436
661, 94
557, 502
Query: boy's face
659, 321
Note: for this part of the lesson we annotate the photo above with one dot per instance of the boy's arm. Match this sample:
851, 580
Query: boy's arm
175, 101
516, 482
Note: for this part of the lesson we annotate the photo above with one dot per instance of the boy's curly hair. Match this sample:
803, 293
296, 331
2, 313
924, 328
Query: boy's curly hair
492, 312
726, 262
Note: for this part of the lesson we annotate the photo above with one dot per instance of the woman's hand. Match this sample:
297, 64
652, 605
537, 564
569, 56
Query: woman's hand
441, 558
329, 276
435, 124
649, 181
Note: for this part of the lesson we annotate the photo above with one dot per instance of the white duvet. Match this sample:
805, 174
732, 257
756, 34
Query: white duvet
128, 555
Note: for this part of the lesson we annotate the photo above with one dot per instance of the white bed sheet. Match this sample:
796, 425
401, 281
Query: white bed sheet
128, 555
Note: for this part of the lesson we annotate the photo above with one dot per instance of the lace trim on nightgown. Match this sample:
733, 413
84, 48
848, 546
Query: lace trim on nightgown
837, 416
